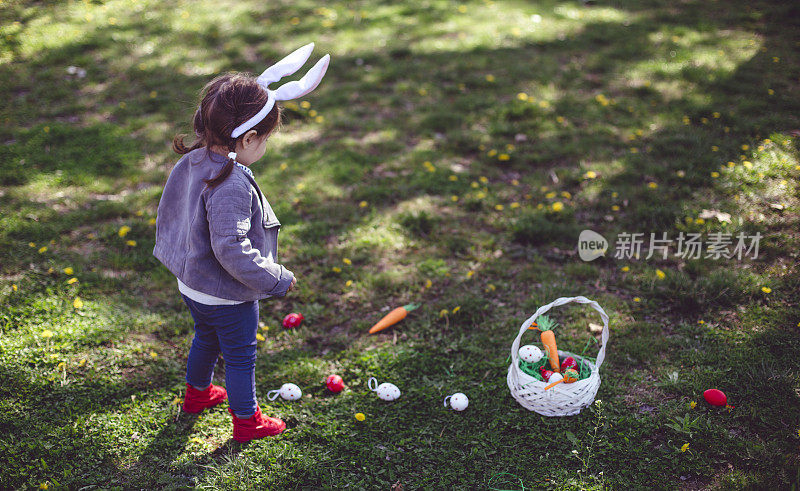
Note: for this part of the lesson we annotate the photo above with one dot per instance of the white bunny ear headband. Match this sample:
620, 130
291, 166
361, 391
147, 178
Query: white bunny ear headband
292, 90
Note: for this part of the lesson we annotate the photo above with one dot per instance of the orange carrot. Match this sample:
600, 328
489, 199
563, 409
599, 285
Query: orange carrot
393, 317
546, 327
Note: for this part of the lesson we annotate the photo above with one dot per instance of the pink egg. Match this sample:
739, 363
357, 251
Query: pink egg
715, 397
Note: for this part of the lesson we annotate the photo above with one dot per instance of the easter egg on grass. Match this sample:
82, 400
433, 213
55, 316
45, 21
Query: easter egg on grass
458, 401
293, 320
334, 383
388, 392
530, 353
289, 392
715, 397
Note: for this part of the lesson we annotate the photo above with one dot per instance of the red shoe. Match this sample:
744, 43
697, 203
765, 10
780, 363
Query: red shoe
257, 426
197, 400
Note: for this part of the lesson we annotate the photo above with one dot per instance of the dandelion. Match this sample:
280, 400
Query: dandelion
701, 322
78, 303
336, 269
260, 337
443, 312
652, 185
716, 115
470, 274
637, 299
428, 283
692, 404
42, 249
153, 355
151, 222
550, 195
61, 365
312, 113
770, 92
50, 270
360, 417
498, 207
82, 362
714, 148
454, 198
294, 21
131, 243
72, 280
503, 157
566, 194
362, 204
456, 308
31, 244
700, 221
453, 177
490, 77
544, 104
660, 274
14, 287
305, 104
514, 182
480, 195
47, 333
615, 208
560, 119
348, 283
522, 96
490, 288
745, 148
625, 269
558, 206
347, 261
684, 447
747, 164
123, 230
615, 194
514, 205
766, 289
474, 185
590, 174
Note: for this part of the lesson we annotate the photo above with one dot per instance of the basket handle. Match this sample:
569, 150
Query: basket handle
559, 301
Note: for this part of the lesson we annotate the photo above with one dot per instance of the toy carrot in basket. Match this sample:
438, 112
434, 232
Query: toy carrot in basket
546, 326
393, 317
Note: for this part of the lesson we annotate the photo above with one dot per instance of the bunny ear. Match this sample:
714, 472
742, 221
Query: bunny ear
309, 82
287, 66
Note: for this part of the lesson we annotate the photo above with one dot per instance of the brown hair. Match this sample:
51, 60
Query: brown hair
226, 102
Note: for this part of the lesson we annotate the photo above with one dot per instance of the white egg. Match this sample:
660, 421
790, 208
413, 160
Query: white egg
290, 392
555, 378
530, 353
388, 392
459, 401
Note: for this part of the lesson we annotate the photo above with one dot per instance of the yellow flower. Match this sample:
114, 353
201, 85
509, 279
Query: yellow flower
428, 283
31, 244
714, 148
626, 269
72, 280
61, 365
701, 321
348, 283
514, 205
454, 198
153, 355
498, 207
336, 269
305, 104
43, 485
82, 362
490, 78
42, 249
470, 274
443, 312
715, 174
139, 213
590, 174
362, 204
685, 447
681, 173
123, 230
360, 417
68, 270
319, 119
153, 94
745, 147
456, 308
716, 115
522, 96
634, 150
50, 270
294, 21
47, 333
637, 299
560, 119
766, 289
550, 195
347, 260
491, 288
566, 194
78, 303
614, 194
503, 156
692, 404
312, 113
558, 206
652, 185
131, 243
453, 177
700, 221
661, 275
480, 195
615, 207
260, 337
747, 164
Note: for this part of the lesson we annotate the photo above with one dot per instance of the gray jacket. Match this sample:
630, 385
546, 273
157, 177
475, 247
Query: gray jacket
222, 241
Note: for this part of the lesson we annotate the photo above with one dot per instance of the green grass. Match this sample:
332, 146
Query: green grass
452, 155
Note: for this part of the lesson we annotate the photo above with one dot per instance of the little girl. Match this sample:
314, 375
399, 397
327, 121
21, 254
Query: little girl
217, 233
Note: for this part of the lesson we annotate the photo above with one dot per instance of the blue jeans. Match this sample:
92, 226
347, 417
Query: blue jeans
230, 329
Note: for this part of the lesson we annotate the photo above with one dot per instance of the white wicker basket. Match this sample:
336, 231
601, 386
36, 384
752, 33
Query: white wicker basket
562, 399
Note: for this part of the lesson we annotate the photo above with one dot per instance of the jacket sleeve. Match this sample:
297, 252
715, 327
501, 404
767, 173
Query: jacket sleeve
228, 211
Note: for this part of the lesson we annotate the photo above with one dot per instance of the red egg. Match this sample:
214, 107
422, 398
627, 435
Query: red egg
715, 397
292, 320
334, 383
546, 374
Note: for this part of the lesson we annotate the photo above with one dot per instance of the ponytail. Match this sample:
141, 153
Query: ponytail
226, 169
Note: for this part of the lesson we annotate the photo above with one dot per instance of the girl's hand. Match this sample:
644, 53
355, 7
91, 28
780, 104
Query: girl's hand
291, 287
